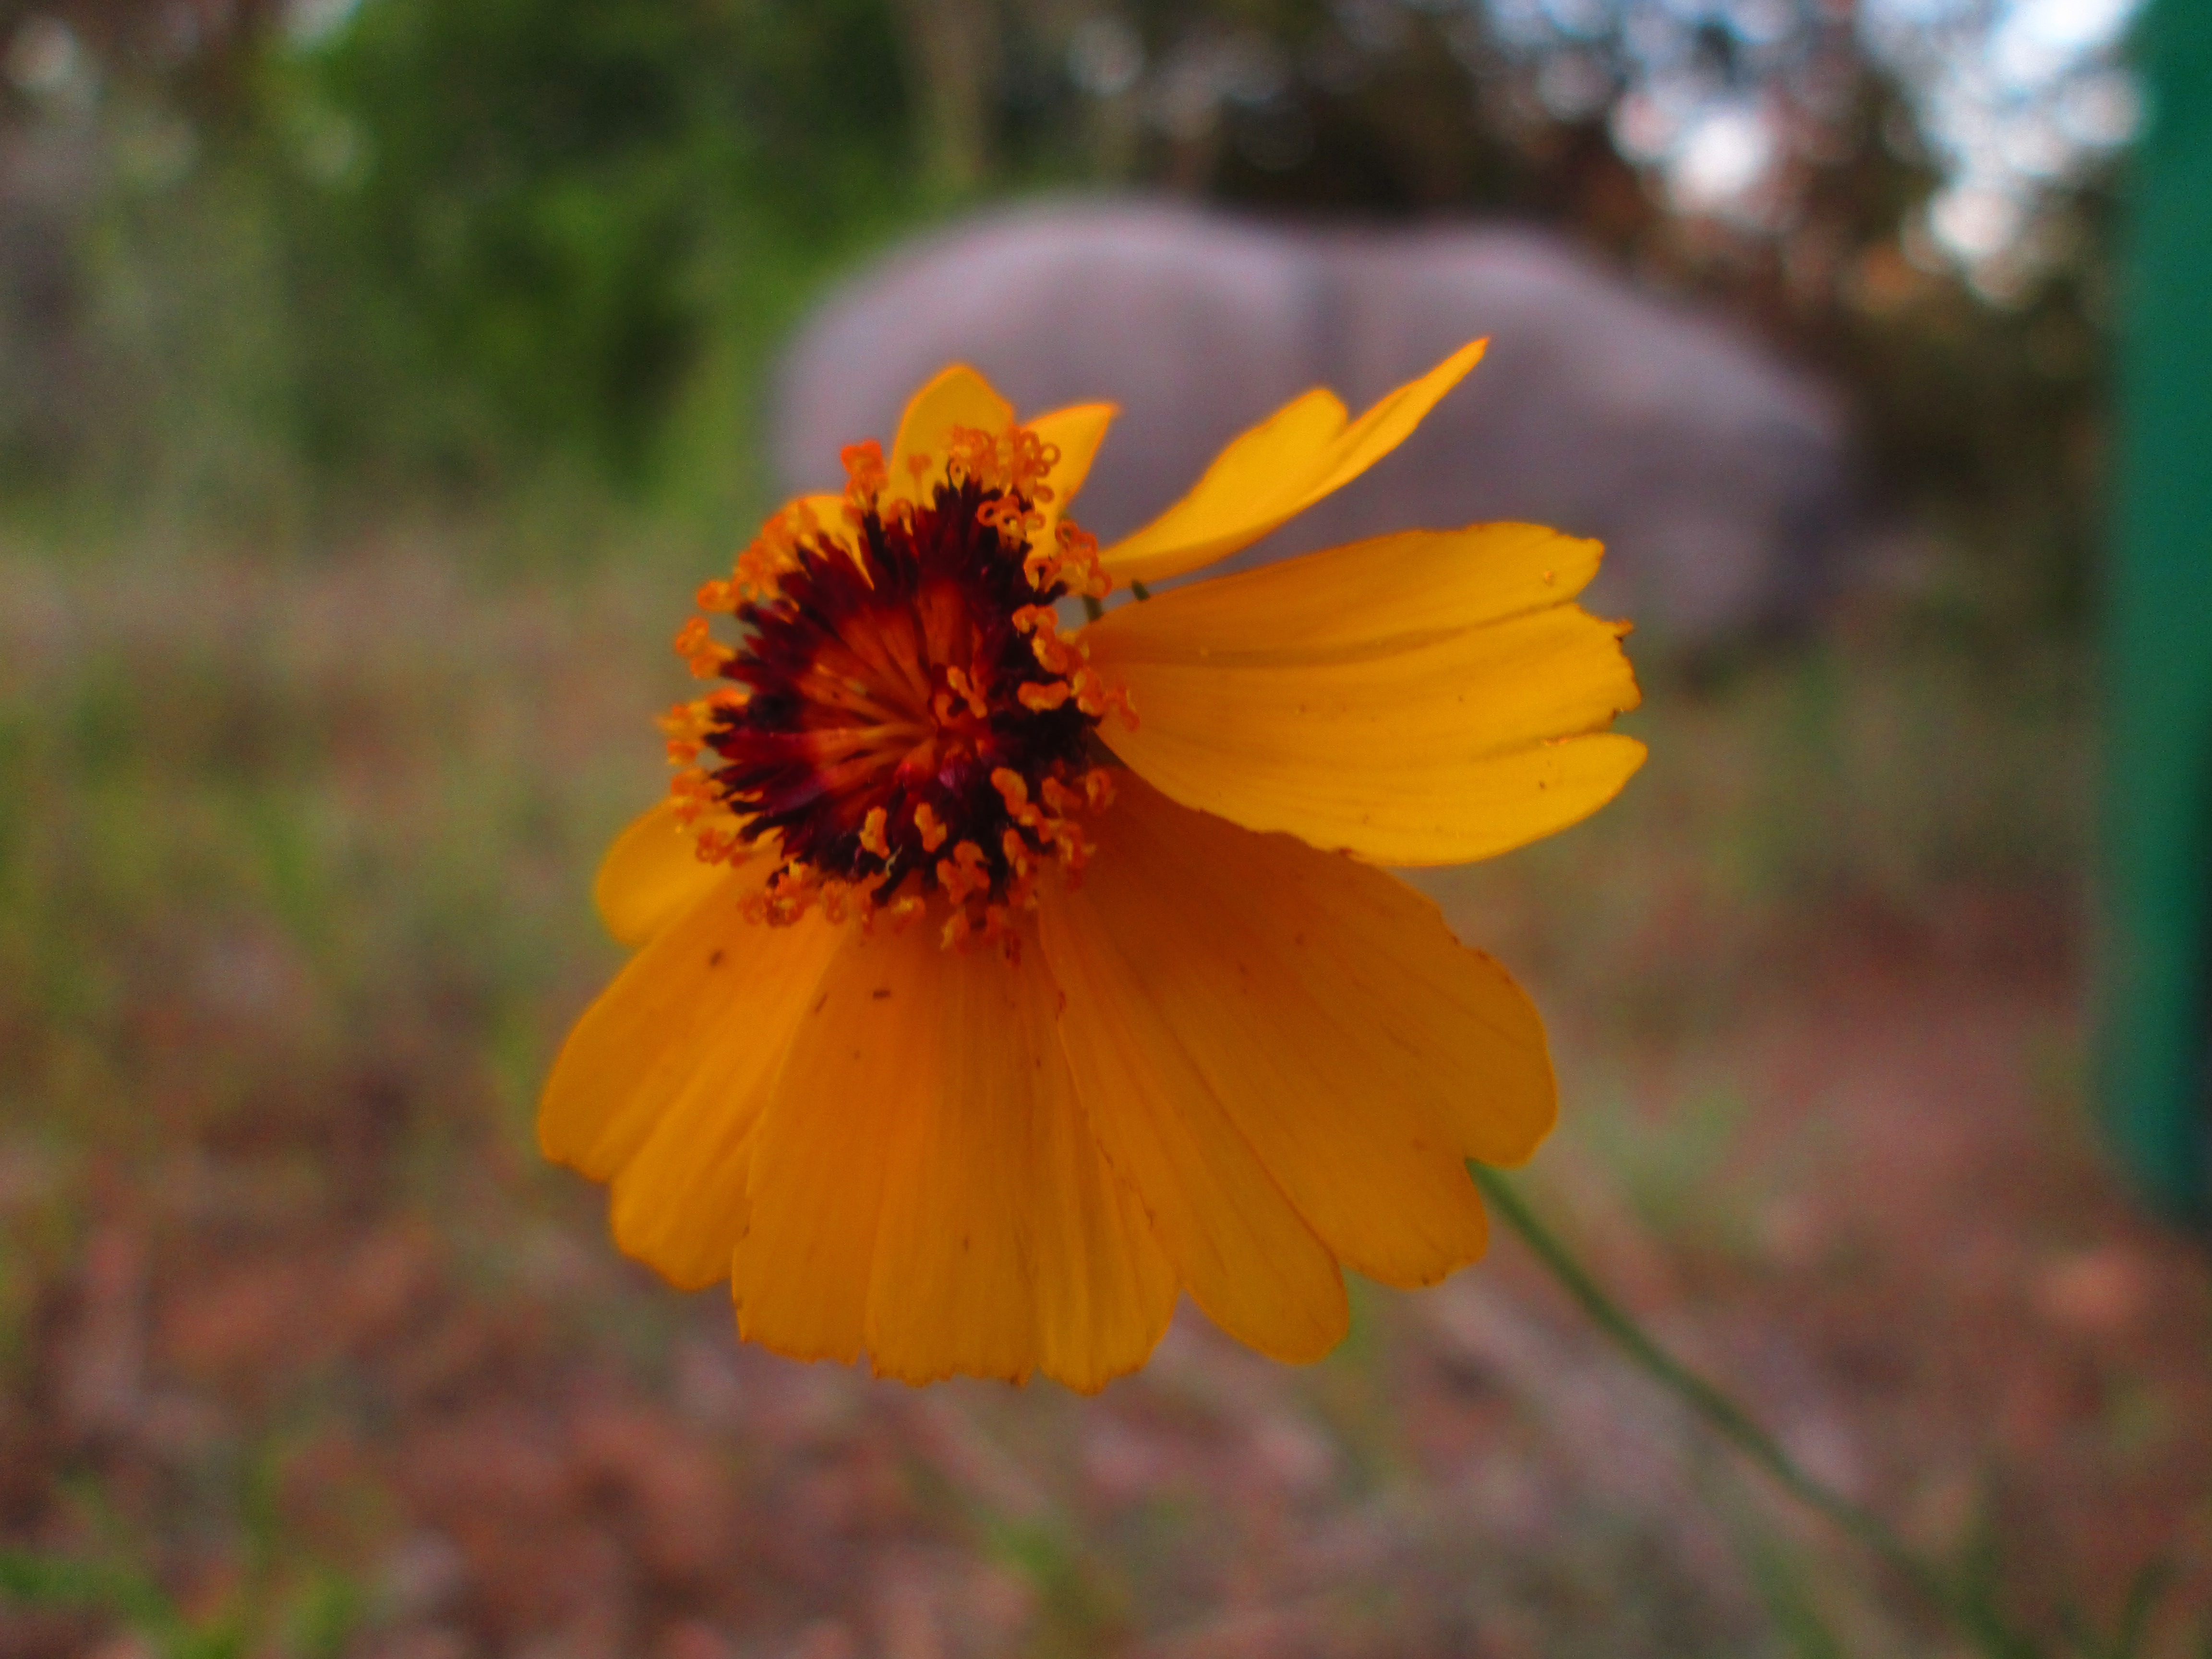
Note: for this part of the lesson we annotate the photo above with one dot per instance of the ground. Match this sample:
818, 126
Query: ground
302, 1351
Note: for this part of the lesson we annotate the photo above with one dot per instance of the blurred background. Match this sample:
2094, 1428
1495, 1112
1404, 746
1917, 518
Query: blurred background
377, 380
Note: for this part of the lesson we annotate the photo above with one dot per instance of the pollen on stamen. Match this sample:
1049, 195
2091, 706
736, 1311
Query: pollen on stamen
1042, 697
925, 824
866, 474
703, 654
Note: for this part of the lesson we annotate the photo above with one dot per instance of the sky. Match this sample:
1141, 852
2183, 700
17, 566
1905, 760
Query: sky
2011, 106
2012, 94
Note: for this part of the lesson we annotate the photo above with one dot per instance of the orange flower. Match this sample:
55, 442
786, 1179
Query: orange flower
995, 981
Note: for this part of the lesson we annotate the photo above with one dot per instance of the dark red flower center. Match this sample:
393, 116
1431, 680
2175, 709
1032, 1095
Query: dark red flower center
904, 716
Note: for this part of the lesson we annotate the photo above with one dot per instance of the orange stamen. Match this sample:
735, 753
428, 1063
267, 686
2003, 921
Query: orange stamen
865, 475
932, 832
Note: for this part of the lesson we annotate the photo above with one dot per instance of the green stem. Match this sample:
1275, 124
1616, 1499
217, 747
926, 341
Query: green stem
1729, 1419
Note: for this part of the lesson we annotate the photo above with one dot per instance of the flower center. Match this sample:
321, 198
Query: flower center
904, 717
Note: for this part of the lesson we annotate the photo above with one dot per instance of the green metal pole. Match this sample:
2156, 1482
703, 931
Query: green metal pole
2157, 971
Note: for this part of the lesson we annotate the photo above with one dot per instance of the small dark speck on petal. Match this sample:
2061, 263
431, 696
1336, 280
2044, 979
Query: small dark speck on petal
820, 1003
880, 992
714, 959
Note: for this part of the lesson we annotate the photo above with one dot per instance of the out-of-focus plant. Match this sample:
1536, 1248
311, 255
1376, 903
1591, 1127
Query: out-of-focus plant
282, 1602
557, 203
400, 240
1962, 1593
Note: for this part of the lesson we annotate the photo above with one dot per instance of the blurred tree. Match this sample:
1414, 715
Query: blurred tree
1759, 152
549, 194
199, 53
951, 47
483, 238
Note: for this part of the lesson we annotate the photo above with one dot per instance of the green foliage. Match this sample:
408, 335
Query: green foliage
542, 209
313, 1619
448, 247
1968, 1591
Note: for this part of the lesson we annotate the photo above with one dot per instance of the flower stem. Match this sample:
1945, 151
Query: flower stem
1735, 1425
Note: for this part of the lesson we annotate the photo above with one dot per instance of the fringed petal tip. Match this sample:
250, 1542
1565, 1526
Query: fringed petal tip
954, 1215
1427, 698
1290, 1058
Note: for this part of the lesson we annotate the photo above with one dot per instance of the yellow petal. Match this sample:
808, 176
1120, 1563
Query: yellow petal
925, 1186
651, 876
1246, 1255
658, 1084
1105, 1287
1077, 432
1322, 1012
679, 1205
957, 397
1302, 453
829, 511
1424, 698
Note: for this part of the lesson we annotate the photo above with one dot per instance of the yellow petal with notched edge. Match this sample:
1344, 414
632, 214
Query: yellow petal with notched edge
957, 397
1318, 1008
680, 1045
680, 1204
650, 875
925, 1186
1303, 452
1416, 699
1005, 1242
1076, 432
1243, 1252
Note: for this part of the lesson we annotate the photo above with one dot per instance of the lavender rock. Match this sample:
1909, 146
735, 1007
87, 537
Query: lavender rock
1717, 474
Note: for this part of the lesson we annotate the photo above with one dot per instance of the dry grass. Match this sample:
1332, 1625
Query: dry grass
302, 1351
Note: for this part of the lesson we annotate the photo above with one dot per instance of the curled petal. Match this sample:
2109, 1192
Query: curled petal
1304, 451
